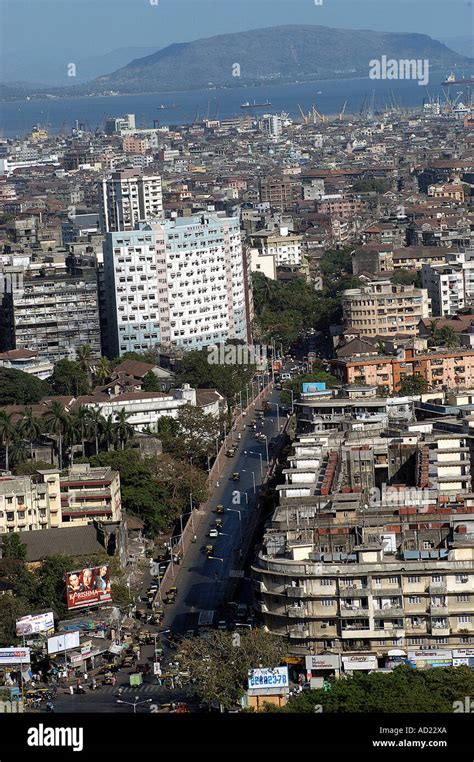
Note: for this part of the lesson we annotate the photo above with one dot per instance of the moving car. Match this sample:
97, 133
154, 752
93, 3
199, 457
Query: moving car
209, 550
219, 523
236, 476
220, 509
213, 533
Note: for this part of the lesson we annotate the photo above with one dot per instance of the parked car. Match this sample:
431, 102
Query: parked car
209, 550
218, 523
236, 476
213, 533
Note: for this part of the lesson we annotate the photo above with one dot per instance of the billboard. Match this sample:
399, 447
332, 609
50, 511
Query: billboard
63, 642
359, 662
88, 587
429, 658
31, 625
14, 655
268, 681
323, 661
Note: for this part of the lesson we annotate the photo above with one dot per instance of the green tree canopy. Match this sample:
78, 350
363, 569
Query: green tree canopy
220, 669
414, 384
69, 378
18, 388
403, 690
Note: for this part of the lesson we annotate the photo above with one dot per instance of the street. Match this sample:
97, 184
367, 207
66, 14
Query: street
200, 580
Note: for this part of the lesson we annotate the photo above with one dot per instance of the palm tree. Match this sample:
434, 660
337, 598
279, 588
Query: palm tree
82, 418
29, 428
124, 429
56, 422
18, 451
95, 424
85, 359
103, 369
7, 433
72, 434
108, 432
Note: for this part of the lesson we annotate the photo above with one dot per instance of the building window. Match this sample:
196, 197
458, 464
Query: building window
414, 599
327, 602
326, 581
413, 580
464, 619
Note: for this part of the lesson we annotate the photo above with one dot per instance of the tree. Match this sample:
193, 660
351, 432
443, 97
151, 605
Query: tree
220, 669
151, 382
85, 359
197, 433
414, 384
108, 431
29, 428
95, 423
18, 388
69, 378
295, 385
103, 369
11, 609
443, 337
405, 690
197, 370
56, 422
181, 481
124, 430
12, 547
7, 433
404, 277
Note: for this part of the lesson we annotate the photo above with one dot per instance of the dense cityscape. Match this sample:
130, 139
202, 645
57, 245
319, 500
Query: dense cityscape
236, 412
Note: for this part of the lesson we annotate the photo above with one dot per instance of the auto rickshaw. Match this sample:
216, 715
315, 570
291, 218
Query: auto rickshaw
171, 595
220, 508
235, 476
209, 550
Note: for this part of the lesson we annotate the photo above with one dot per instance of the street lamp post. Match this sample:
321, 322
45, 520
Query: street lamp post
264, 436
135, 703
292, 400
278, 412
252, 452
253, 477
236, 510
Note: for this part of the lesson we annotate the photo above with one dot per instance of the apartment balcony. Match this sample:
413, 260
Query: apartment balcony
261, 607
299, 633
437, 589
354, 592
438, 611
353, 612
389, 632
295, 592
440, 631
347, 633
389, 612
296, 612
416, 629
387, 592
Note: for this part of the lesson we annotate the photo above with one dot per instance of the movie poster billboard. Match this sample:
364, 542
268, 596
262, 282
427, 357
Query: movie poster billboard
88, 587
33, 624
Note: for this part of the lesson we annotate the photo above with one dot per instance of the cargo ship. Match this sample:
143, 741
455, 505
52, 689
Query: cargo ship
255, 105
451, 80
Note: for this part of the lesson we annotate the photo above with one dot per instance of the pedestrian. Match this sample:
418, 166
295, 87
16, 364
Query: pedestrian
71, 690
114, 680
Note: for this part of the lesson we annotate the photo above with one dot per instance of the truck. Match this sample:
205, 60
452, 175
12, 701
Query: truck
206, 618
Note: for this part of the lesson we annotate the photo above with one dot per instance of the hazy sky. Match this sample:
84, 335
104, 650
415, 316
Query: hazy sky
50, 29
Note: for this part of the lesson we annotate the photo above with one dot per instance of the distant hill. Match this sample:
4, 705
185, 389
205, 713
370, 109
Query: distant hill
266, 56
272, 55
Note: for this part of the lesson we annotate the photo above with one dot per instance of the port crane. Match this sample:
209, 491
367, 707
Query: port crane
342, 112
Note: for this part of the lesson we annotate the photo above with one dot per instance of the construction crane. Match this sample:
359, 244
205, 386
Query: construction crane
321, 116
342, 112
303, 115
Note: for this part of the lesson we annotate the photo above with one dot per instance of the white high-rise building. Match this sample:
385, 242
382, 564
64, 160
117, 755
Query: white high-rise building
128, 197
180, 282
